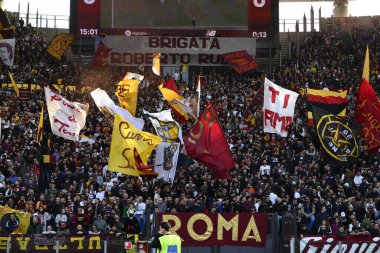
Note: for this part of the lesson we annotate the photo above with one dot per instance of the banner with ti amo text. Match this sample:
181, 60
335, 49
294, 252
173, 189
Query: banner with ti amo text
67, 244
66, 118
165, 163
23, 218
349, 243
131, 148
205, 51
205, 229
278, 109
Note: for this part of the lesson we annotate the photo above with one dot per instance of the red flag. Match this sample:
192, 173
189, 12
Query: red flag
206, 144
367, 113
101, 54
240, 61
170, 84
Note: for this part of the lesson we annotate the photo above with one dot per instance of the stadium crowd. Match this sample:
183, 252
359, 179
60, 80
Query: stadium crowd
68, 189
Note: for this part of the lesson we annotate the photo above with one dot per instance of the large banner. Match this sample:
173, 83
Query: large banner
139, 50
241, 61
66, 118
278, 108
327, 244
69, 244
200, 229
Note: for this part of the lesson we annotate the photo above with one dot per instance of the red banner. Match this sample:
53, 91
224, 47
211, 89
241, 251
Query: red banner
200, 229
367, 113
327, 244
68, 244
240, 61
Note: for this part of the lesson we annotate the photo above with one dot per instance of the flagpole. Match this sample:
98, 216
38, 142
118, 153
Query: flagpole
112, 15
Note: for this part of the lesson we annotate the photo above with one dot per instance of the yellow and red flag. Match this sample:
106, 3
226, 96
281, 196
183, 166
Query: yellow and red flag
126, 93
40, 125
60, 44
131, 148
156, 65
14, 84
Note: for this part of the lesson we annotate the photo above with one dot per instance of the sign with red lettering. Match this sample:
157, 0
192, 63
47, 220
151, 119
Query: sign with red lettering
240, 61
278, 109
66, 118
349, 243
205, 229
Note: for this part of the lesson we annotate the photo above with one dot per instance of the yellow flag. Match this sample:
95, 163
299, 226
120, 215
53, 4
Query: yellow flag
14, 84
22, 217
126, 93
366, 66
156, 67
40, 125
131, 148
60, 44
171, 95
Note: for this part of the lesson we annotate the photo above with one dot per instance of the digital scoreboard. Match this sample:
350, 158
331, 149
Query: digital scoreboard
197, 18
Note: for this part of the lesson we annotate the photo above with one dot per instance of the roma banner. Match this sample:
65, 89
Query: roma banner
278, 108
22, 217
367, 114
206, 144
126, 93
106, 105
170, 95
205, 229
240, 61
166, 127
336, 136
7, 51
66, 118
60, 44
67, 244
131, 148
330, 244
166, 160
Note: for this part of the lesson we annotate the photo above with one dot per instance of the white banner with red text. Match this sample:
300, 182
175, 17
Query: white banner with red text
66, 118
132, 51
278, 109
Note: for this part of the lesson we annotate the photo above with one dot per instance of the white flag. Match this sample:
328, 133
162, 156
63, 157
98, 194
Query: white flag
107, 105
166, 127
66, 118
7, 51
166, 160
278, 109
130, 75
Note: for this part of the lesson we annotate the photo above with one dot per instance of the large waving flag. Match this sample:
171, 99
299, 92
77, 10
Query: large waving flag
14, 84
367, 110
131, 148
66, 118
40, 128
334, 102
23, 218
257, 101
7, 51
336, 136
170, 95
60, 44
278, 108
166, 127
170, 84
108, 107
206, 143
156, 65
126, 93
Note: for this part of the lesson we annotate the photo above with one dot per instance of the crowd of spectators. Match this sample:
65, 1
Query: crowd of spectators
68, 189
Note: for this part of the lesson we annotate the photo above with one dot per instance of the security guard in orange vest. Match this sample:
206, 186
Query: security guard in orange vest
165, 242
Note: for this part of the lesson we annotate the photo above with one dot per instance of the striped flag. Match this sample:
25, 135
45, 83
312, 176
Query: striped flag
40, 125
334, 102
